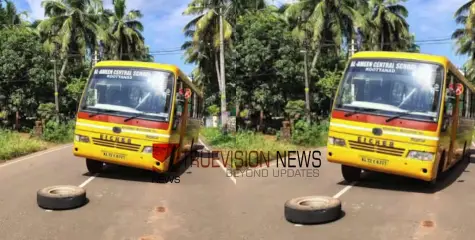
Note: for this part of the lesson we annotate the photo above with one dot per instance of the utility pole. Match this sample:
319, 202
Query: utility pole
223, 75
56, 101
307, 96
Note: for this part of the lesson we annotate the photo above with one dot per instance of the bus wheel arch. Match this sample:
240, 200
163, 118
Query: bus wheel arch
94, 166
350, 174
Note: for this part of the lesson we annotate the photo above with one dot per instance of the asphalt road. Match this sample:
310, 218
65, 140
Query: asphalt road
208, 204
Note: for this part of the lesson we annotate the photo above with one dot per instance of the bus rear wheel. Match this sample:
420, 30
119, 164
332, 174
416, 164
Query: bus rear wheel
94, 166
350, 174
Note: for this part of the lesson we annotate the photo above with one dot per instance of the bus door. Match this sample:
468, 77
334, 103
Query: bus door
451, 118
180, 120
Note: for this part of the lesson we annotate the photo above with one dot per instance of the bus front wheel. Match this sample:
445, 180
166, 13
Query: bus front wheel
350, 174
94, 166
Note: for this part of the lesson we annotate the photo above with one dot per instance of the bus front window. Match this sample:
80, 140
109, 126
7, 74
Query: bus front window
130, 92
392, 87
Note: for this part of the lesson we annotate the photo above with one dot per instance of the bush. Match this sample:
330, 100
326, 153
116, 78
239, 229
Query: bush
13, 145
59, 133
310, 135
245, 141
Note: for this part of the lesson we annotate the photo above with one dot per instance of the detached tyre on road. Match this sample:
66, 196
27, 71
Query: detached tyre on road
312, 209
61, 197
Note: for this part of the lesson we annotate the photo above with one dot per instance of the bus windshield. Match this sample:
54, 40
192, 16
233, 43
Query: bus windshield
129, 92
390, 87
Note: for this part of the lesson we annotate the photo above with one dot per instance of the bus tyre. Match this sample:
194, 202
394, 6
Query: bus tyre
350, 174
312, 209
61, 197
94, 166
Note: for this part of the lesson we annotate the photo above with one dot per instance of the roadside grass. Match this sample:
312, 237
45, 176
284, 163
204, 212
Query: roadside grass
246, 148
15, 145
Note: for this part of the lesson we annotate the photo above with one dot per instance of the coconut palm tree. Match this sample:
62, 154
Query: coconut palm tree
387, 19
72, 25
126, 30
9, 16
324, 23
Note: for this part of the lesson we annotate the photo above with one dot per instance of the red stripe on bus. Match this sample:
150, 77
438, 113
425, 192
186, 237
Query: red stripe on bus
120, 120
403, 123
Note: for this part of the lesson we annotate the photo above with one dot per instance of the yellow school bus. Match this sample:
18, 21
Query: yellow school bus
397, 113
137, 114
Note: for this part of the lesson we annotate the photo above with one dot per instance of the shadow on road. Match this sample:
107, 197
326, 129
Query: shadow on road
396, 183
133, 174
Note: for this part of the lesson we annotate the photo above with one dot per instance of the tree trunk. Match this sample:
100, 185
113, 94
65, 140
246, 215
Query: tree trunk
223, 75
261, 121
382, 40
237, 109
218, 75
63, 69
315, 58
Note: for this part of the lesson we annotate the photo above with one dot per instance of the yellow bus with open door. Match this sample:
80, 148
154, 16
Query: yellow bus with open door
129, 107
405, 114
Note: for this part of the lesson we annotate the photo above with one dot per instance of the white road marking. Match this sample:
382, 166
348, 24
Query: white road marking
88, 180
48, 210
233, 179
21, 159
298, 225
344, 190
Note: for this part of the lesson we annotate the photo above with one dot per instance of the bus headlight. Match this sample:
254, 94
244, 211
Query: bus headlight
81, 138
336, 141
425, 156
147, 149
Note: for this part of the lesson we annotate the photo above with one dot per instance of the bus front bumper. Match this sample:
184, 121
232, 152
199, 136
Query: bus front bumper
418, 169
119, 157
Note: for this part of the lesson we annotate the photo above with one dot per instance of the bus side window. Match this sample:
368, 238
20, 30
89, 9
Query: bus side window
467, 103
472, 106
179, 103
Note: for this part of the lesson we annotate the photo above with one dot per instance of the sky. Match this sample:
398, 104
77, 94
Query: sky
163, 22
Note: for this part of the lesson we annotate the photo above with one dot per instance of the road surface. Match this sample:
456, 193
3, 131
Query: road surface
206, 204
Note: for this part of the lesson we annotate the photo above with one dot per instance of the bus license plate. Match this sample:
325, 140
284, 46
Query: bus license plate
113, 155
374, 161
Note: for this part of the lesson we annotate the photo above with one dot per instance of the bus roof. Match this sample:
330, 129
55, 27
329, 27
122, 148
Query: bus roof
402, 55
153, 65
444, 61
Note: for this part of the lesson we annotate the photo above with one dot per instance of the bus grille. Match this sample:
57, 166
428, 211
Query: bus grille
378, 149
119, 145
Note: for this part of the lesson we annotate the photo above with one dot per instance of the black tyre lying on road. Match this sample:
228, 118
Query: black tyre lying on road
312, 209
61, 197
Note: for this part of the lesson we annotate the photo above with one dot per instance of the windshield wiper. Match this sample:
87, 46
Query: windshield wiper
359, 110
398, 116
100, 112
134, 116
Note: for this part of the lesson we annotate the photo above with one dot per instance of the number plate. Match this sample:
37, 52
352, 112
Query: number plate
374, 161
113, 155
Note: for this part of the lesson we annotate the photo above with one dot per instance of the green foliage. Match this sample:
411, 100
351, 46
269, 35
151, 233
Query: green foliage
26, 73
328, 84
14, 145
310, 135
213, 110
46, 111
295, 109
245, 141
58, 132
215, 137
